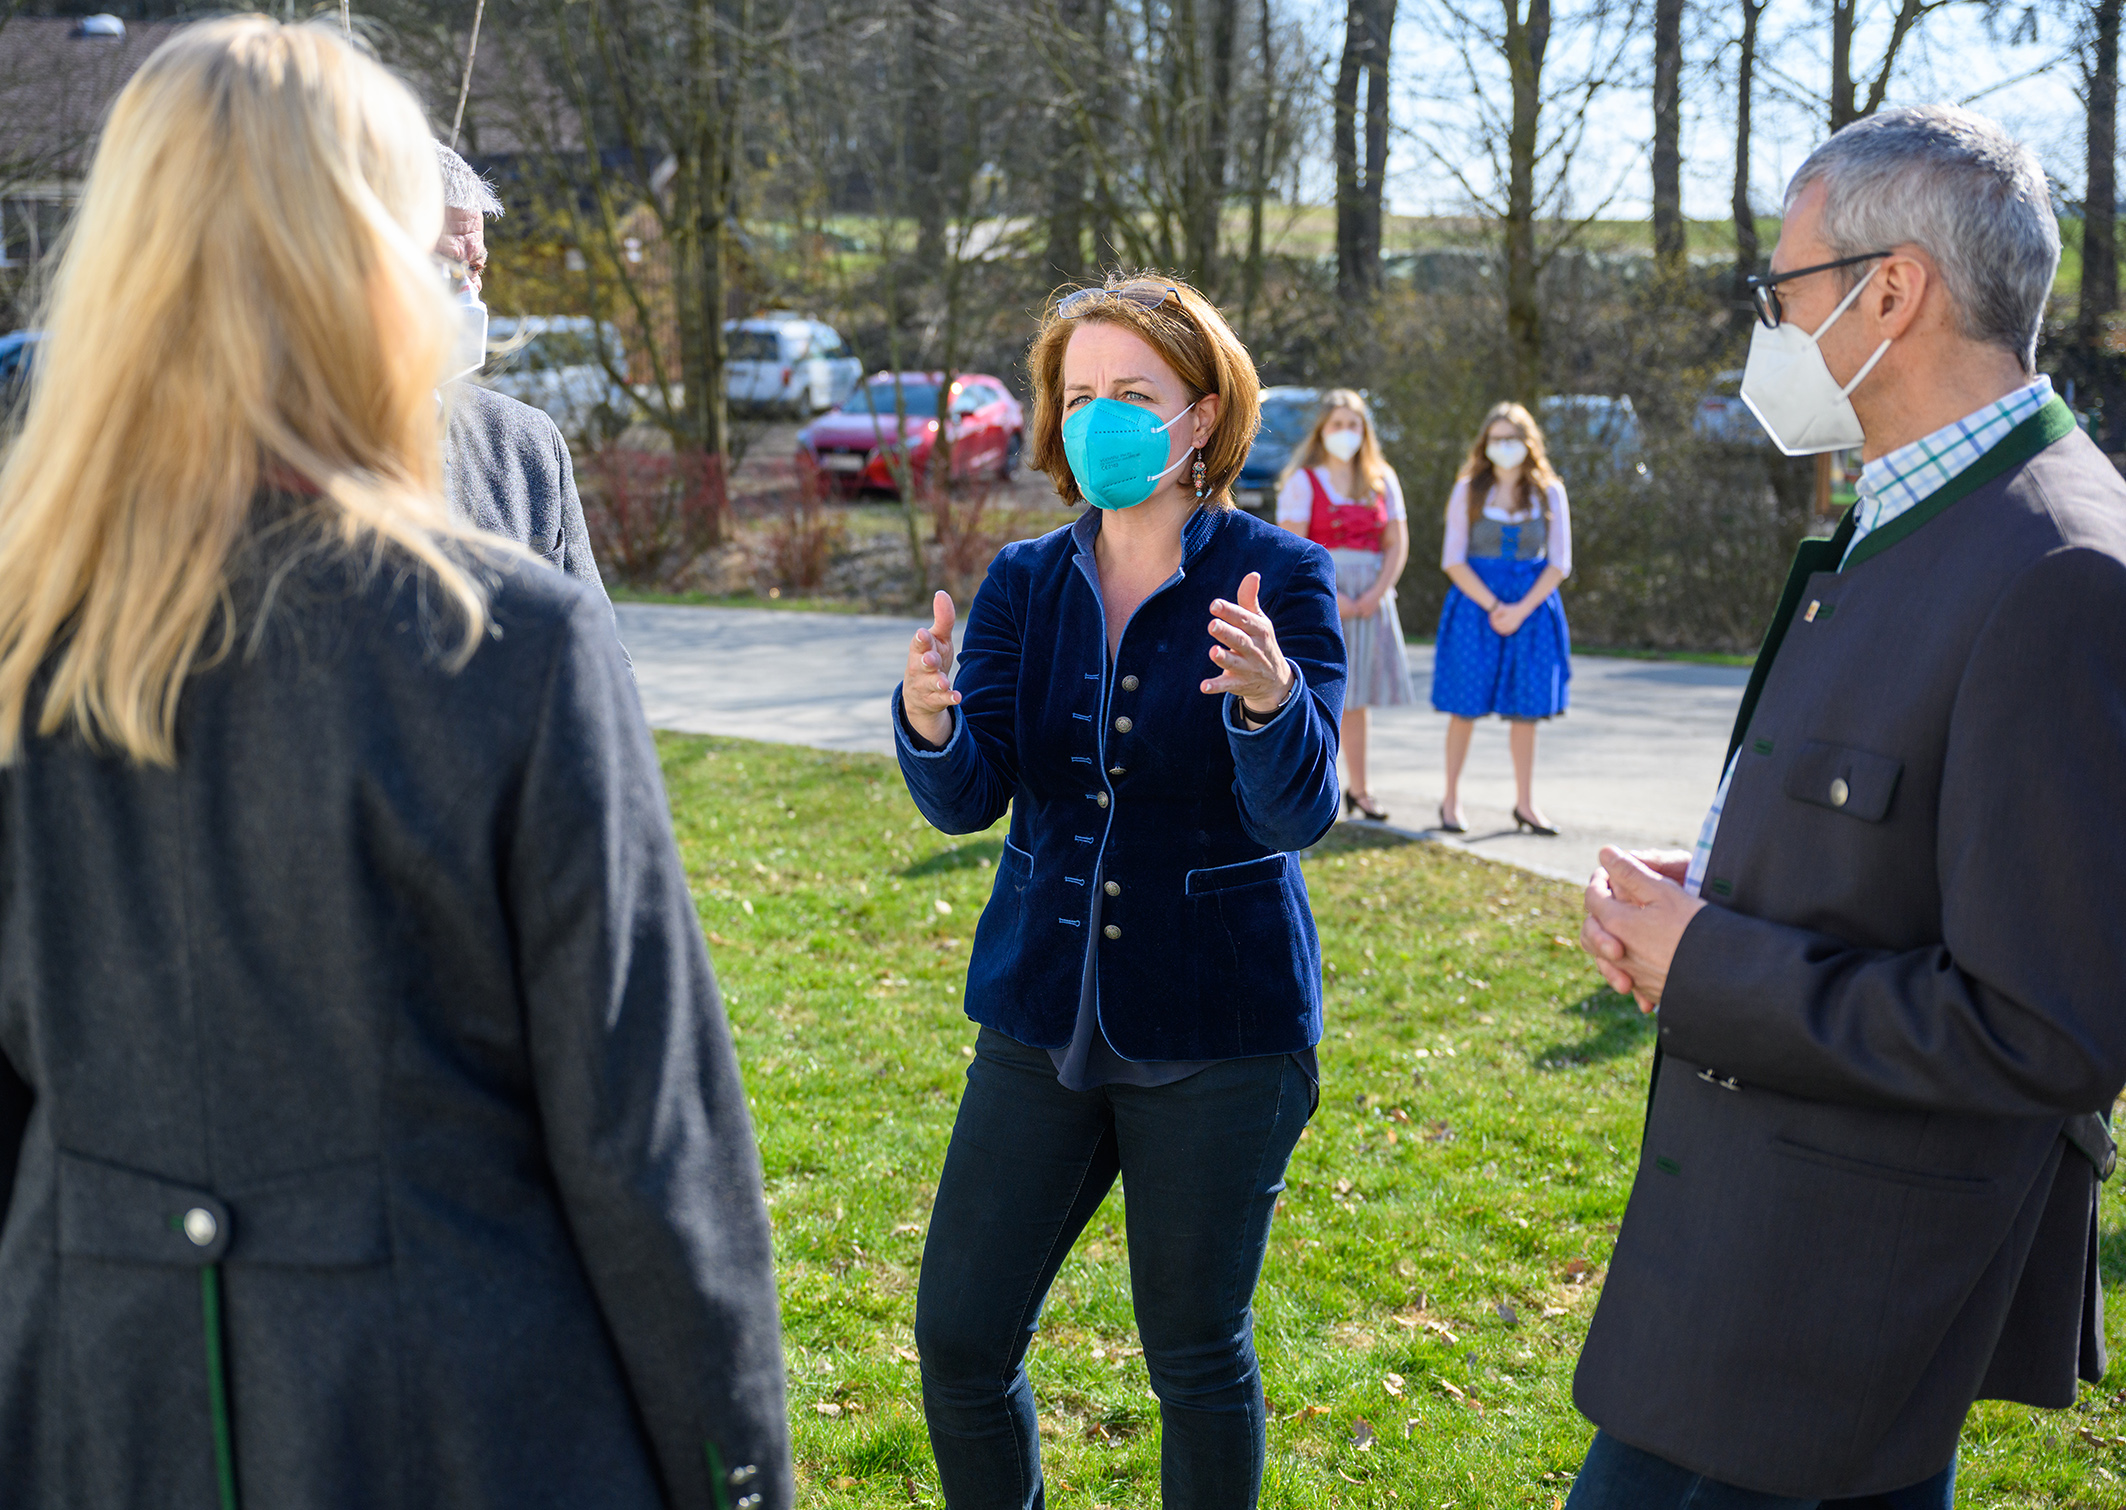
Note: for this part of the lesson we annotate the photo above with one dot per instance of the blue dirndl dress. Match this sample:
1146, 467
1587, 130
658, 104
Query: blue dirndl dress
1475, 670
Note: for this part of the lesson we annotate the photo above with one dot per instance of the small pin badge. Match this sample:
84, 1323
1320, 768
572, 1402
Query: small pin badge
1810, 616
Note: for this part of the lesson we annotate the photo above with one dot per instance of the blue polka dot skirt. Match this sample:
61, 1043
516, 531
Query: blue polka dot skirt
1476, 671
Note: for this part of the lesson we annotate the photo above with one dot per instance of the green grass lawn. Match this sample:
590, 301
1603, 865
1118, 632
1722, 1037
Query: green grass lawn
1433, 1263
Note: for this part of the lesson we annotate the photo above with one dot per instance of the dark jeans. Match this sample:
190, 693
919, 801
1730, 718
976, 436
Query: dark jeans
1202, 1162
1616, 1477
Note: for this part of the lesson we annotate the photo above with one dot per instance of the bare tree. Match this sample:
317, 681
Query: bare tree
1845, 102
1368, 26
1746, 249
2100, 256
1670, 239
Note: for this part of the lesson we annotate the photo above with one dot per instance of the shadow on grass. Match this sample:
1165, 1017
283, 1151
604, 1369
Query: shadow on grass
1617, 1027
2111, 1253
1349, 838
894, 1447
959, 857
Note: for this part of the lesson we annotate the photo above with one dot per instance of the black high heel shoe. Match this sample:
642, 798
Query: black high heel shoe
1355, 803
1522, 821
1448, 828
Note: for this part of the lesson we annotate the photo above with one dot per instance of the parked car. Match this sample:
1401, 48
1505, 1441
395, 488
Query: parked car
1592, 432
853, 446
1722, 416
551, 362
1287, 414
784, 362
16, 350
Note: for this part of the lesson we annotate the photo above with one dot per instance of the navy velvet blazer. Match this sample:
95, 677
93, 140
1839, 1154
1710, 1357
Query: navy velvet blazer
1126, 777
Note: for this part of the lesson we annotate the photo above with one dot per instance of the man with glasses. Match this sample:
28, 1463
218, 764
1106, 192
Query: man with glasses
1888, 977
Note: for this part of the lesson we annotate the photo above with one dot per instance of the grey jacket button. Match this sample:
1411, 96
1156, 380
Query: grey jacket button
1839, 791
201, 1227
1129, 684
743, 1475
1100, 798
1112, 931
1123, 725
1113, 888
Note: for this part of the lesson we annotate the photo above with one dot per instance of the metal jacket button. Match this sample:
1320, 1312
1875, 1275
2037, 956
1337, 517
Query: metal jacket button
1839, 791
1112, 931
1115, 770
1123, 725
1101, 798
201, 1227
1129, 684
1113, 888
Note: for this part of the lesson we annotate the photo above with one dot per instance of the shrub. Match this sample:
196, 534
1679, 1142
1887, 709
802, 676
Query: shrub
651, 514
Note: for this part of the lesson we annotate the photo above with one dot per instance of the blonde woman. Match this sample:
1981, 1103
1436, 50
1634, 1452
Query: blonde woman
374, 1129
1503, 645
1340, 492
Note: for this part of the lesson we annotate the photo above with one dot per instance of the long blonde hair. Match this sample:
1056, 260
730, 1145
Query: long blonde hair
1538, 476
1369, 468
247, 295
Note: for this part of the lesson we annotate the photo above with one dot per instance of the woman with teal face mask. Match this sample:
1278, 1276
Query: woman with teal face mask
1153, 693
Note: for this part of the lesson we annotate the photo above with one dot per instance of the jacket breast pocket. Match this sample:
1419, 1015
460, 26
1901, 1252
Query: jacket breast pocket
1200, 883
1857, 783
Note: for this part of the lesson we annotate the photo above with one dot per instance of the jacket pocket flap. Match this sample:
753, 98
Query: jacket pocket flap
331, 1217
1854, 782
1226, 877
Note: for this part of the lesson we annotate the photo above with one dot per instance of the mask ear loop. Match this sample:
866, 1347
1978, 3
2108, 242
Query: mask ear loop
1843, 305
1160, 476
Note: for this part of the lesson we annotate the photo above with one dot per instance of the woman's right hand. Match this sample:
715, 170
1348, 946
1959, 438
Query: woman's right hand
927, 697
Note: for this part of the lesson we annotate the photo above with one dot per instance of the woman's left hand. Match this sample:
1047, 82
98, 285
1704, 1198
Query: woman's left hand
1507, 617
1252, 668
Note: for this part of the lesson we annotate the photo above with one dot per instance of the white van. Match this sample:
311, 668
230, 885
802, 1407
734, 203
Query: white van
551, 362
786, 361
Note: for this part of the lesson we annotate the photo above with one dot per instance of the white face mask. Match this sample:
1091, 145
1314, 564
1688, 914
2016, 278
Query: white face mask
1506, 454
468, 348
1792, 393
1342, 444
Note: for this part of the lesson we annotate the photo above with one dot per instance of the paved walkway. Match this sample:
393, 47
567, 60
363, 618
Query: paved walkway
1634, 763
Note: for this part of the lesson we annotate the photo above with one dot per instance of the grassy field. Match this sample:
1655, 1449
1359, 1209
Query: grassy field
1433, 1263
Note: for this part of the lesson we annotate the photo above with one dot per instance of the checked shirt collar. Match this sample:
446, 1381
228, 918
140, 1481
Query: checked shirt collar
1893, 482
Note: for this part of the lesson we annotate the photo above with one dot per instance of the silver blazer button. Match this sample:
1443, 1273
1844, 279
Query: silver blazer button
201, 1227
1839, 791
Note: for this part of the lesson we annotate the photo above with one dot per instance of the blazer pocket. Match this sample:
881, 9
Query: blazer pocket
1857, 783
1891, 1174
1225, 877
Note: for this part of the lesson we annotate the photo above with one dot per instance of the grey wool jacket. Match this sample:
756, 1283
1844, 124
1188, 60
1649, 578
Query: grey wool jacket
375, 1133
506, 470
1855, 1211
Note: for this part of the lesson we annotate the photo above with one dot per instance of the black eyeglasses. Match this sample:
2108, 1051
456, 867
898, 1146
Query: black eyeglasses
1764, 292
1143, 295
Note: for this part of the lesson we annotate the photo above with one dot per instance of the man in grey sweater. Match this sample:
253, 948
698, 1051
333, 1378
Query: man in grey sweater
505, 466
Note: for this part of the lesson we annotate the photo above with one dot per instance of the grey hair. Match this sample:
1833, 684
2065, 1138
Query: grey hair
464, 189
1957, 186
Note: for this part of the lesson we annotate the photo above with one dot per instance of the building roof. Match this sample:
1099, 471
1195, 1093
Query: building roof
56, 86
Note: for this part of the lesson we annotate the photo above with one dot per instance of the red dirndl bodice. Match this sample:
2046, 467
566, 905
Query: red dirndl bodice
1346, 526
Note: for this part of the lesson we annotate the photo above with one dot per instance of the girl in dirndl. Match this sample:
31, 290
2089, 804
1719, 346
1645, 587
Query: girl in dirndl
1339, 492
1503, 646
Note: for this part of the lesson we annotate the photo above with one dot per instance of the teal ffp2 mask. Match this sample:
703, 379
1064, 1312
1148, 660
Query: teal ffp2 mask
1117, 451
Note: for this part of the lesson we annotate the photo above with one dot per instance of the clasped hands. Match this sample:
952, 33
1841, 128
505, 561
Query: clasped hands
1507, 617
1636, 911
1244, 648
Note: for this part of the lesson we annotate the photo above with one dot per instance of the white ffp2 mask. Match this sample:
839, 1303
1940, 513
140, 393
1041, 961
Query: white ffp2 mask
1791, 391
1342, 444
468, 347
1506, 454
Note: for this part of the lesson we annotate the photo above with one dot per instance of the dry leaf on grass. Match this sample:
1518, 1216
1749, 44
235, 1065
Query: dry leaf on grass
1362, 1435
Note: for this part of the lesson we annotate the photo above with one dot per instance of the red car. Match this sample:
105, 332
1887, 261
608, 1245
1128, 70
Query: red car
853, 445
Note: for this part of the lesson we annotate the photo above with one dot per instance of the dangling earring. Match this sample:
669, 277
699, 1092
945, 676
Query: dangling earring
1199, 474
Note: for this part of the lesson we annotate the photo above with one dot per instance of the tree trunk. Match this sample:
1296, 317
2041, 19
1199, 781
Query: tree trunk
1367, 27
1066, 178
1843, 110
2100, 257
1259, 171
1670, 246
923, 175
1526, 41
1746, 249
1209, 207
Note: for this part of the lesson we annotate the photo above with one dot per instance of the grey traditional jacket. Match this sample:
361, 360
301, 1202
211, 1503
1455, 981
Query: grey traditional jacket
507, 470
384, 1144
1854, 1211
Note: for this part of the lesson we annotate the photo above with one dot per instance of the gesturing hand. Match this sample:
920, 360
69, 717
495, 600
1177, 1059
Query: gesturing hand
1637, 910
926, 688
1253, 668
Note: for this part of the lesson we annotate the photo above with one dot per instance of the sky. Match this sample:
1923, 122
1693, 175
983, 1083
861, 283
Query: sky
2029, 83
